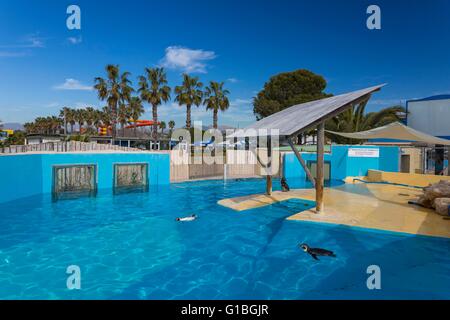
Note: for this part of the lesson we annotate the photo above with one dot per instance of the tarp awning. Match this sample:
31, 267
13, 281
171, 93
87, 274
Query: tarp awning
397, 131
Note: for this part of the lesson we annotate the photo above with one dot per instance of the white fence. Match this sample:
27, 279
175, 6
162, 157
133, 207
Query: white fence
64, 146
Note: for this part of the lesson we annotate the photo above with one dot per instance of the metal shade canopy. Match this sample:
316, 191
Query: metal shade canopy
301, 117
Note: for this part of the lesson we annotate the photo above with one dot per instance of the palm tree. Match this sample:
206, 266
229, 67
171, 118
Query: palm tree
97, 119
64, 114
115, 89
171, 125
355, 119
80, 117
123, 117
106, 117
153, 89
162, 126
189, 93
216, 99
136, 110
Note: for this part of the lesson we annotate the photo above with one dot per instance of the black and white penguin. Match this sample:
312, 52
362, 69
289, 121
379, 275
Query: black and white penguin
185, 219
284, 185
314, 252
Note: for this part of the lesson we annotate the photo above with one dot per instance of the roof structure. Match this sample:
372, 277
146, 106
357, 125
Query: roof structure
301, 117
395, 130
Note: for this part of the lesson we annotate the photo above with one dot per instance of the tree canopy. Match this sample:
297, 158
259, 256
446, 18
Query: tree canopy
287, 89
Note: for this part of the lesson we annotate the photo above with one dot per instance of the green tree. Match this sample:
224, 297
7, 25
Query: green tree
162, 126
153, 89
136, 110
189, 93
171, 126
80, 118
115, 89
287, 89
216, 99
355, 119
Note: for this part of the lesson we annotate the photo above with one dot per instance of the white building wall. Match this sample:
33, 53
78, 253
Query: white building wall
432, 116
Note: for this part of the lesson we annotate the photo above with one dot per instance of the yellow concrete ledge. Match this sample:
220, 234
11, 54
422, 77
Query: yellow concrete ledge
375, 206
412, 179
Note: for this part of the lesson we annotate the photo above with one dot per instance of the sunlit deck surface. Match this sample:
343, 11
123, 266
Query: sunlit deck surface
375, 206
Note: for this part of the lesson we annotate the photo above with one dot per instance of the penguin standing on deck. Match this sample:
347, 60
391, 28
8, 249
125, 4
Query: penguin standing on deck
314, 252
284, 185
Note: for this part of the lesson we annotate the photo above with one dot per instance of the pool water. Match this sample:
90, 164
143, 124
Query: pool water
129, 246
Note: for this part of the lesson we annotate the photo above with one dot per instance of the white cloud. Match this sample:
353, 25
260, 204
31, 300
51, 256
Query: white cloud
12, 54
232, 80
22, 47
72, 84
75, 40
187, 60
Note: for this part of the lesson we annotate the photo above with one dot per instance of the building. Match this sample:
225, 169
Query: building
430, 115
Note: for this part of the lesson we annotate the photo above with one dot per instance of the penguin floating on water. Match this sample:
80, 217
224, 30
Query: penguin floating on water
284, 185
314, 252
191, 218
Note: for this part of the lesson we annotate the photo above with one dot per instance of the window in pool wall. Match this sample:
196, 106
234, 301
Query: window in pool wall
130, 177
312, 166
74, 181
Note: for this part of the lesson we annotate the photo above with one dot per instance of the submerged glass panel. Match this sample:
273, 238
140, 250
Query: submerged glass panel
130, 177
73, 181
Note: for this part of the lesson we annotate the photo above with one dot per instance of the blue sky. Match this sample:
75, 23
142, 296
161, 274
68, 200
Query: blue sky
44, 66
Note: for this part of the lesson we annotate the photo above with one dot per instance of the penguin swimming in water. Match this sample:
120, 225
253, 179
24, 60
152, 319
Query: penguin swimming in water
314, 252
185, 219
284, 185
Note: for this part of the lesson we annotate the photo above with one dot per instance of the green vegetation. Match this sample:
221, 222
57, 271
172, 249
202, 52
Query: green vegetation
287, 89
216, 99
188, 94
116, 90
153, 89
356, 119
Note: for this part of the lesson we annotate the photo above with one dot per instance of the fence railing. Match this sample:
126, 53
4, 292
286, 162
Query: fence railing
65, 146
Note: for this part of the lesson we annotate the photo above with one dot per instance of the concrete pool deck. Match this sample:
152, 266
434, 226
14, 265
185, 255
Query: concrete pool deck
374, 206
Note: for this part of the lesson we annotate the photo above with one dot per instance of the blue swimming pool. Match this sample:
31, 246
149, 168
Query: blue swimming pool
128, 246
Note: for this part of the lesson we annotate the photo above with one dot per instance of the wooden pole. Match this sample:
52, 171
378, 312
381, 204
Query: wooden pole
269, 185
320, 165
302, 162
448, 161
269, 175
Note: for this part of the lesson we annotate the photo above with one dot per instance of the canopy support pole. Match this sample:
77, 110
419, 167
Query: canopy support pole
320, 166
302, 162
448, 161
269, 174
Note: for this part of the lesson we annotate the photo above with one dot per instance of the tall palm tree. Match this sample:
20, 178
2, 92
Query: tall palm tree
356, 119
115, 89
189, 93
216, 99
136, 110
153, 89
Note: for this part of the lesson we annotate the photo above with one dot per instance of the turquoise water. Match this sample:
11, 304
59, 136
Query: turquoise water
129, 246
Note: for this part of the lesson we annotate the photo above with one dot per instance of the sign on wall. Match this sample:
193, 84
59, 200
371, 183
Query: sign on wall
364, 152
